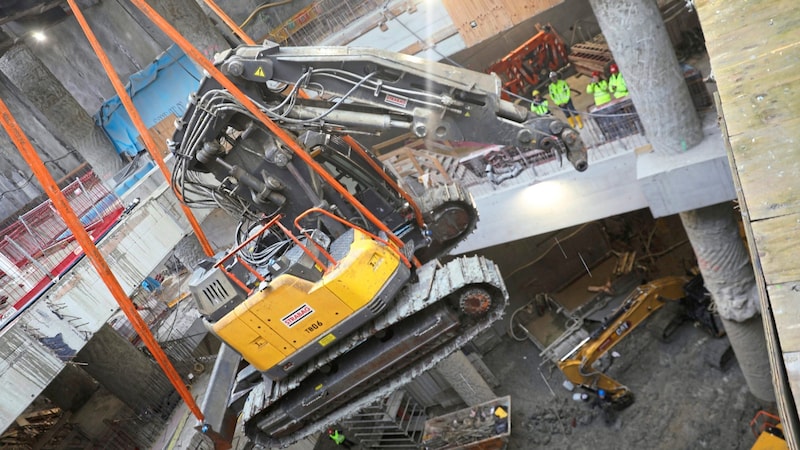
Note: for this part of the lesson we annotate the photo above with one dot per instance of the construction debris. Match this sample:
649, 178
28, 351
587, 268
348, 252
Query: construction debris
486, 426
625, 263
592, 56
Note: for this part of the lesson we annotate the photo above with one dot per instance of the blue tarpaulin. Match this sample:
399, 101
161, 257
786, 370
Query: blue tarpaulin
160, 89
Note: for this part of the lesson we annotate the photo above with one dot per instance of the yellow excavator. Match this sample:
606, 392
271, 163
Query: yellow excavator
578, 365
334, 295
767, 429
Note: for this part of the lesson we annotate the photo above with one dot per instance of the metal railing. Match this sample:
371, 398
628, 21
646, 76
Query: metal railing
606, 135
395, 422
321, 19
38, 247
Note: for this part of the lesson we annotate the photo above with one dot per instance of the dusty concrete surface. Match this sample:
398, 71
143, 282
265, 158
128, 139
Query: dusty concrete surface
682, 402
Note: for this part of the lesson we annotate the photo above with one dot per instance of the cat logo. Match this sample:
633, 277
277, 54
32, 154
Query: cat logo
260, 73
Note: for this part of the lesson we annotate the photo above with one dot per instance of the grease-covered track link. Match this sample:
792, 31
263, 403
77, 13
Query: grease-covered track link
450, 213
423, 328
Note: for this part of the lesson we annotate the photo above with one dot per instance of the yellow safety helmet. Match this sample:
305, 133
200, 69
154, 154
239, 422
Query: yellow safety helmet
535, 93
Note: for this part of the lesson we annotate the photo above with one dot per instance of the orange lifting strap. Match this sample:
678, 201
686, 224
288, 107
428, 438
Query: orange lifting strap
61, 204
136, 118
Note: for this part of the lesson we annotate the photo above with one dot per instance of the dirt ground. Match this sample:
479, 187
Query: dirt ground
682, 401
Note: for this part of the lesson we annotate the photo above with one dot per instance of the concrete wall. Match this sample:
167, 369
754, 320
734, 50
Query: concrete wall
262, 22
123, 370
130, 47
17, 186
37, 345
66, 54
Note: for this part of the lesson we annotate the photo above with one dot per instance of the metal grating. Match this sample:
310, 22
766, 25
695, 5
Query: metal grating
395, 422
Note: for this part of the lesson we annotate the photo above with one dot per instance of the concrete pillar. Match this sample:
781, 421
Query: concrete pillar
123, 370
59, 158
465, 379
189, 251
71, 389
638, 39
67, 119
189, 19
729, 277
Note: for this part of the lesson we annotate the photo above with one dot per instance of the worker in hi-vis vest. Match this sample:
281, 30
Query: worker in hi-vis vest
599, 88
539, 105
616, 84
339, 438
560, 94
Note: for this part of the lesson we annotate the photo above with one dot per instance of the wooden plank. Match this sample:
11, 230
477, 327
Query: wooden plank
434, 39
785, 398
784, 298
776, 240
46, 438
161, 132
767, 163
750, 101
792, 363
393, 141
488, 16
520, 11
767, 25
760, 90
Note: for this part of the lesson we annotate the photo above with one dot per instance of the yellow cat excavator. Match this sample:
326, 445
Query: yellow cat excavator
578, 365
334, 295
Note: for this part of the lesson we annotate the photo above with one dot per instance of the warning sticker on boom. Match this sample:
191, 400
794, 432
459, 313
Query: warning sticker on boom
396, 100
297, 315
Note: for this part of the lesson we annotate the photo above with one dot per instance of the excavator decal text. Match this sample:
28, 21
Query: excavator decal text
396, 100
623, 327
297, 315
314, 326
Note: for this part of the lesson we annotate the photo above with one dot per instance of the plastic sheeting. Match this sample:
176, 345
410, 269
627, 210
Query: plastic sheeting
160, 89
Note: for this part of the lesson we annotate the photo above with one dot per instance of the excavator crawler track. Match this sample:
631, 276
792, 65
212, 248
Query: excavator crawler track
423, 327
451, 215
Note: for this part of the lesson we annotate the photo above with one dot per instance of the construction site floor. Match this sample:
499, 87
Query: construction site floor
681, 400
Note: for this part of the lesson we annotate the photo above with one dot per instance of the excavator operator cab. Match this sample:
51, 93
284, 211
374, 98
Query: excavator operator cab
301, 295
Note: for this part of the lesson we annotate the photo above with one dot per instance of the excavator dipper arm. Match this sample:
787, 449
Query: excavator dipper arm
577, 365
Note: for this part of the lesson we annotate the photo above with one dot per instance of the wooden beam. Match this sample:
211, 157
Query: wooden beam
46, 437
393, 141
434, 39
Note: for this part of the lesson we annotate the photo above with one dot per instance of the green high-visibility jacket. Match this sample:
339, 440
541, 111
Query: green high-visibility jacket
540, 108
337, 437
559, 92
616, 84
600, 91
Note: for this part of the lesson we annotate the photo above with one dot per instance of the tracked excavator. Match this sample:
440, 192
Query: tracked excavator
692, 303
334, 294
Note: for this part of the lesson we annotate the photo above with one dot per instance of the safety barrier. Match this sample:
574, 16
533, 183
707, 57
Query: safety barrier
38, 247
605, 134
